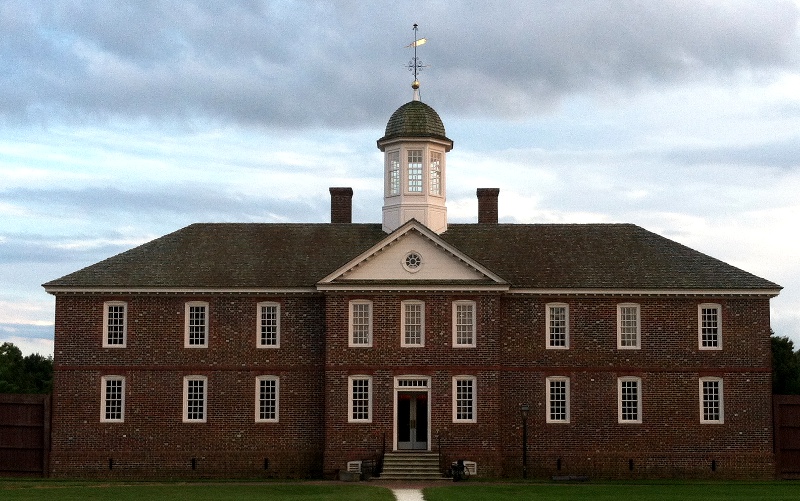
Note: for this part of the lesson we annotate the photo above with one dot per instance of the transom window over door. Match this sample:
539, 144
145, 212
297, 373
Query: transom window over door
413, 323
415, 171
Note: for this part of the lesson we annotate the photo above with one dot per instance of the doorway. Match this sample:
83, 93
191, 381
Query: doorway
412, 420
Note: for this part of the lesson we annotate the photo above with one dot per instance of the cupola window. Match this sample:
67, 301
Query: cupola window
415, 171
394, 173
436, 173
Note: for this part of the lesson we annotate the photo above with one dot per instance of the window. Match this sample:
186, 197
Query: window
711, 409
267, 399
394, 173
557, 400
359, 399
115, 324
464, 324
196, 325
412, 323
464, 399
709, 327
628, 326
557, 326
269, 325
112, 399
360, 323
436, 173
194, 399
415, 171
630, 400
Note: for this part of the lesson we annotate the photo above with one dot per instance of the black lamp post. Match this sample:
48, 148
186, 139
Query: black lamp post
523, 410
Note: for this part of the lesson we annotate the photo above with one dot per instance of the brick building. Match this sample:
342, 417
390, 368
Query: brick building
288, 350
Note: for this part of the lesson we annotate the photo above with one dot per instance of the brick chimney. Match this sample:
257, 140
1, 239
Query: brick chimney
341, 205
487, 205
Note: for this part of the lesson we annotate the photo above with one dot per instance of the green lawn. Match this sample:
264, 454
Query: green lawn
672, 491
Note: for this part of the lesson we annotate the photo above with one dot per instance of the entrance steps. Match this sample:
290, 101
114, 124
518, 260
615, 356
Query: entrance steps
411, 466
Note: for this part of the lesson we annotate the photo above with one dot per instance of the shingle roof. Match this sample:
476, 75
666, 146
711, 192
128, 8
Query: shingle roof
249, 255
414, 119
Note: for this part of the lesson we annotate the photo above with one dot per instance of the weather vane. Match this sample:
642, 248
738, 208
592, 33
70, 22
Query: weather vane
415, 64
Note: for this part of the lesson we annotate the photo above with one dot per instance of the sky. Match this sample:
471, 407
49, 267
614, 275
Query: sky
121, 121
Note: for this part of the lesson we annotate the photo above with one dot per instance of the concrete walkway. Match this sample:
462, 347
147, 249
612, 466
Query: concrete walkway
408, 494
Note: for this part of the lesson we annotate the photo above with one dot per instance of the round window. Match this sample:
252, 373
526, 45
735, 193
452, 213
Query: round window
412, 262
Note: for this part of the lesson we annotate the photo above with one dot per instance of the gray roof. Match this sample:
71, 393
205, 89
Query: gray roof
249, 255
414, 119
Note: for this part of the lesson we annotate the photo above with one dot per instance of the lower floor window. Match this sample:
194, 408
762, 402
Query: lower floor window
711, 410
267, 399
630, 400
464, 399
112, 406
194, 398
360, 399
557, 400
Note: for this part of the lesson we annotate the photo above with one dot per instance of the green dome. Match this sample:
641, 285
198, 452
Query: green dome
414, 119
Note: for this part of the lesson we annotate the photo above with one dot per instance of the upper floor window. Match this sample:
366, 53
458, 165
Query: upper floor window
115, 324
112, 399
394, 172
267, 390
463, 324
557, 399
269, 325
436, 173
709, 326
195, 398
415, 171
196, 325
711, 408
557, 326
360, 323
412, 323
628, 326
359, 399
630, 399
464, 409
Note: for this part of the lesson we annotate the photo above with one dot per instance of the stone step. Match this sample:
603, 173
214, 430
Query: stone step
411, 466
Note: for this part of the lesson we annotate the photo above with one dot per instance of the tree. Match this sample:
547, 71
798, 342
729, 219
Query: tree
785, 367
18, 374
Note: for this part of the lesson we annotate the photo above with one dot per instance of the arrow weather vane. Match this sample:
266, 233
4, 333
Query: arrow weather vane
415, 64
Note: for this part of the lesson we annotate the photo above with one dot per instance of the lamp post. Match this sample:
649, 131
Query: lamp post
523, 410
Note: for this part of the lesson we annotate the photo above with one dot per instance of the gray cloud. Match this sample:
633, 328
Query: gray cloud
298, 64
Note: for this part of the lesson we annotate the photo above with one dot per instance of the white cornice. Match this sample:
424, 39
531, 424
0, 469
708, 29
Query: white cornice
412, 288
175, 290
647, 292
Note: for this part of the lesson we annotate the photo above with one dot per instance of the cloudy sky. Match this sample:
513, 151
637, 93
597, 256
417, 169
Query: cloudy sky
121, 121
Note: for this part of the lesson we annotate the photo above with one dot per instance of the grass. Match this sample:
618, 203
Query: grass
76, 491
671, 491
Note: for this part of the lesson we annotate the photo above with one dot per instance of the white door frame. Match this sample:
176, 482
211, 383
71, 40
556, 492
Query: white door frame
415, 384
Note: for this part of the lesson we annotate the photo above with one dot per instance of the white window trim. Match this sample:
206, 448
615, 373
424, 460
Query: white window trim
350, 342
403, 342
567, 395
350, 380
277, 399
124, 324
277, 306
103, 381
186, 380
638, 381
474, 324
721, 419
187, 306
390, 192
474, 381
700, 308
547, 326
638, 326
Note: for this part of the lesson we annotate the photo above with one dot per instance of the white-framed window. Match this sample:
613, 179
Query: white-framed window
267, 399
557, 388
464, 399
112, 399
359, 399
196, 325
628, 326
415, 171
557, 319
115, 324
394, 173
464, 332
360, 323
712, 409
269, 325
195, 399
436, 173
630, 399
709, 326
412, 323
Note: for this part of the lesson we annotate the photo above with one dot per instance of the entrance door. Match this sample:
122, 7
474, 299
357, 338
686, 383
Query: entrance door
412, 421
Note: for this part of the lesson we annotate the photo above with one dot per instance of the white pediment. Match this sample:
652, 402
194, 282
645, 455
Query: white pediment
432, 260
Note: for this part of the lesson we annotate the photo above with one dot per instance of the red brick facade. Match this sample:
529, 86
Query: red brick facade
510, 363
